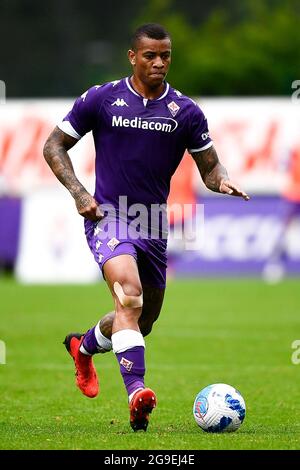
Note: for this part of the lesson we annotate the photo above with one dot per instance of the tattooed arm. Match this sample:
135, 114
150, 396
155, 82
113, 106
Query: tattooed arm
56, 155
214, 174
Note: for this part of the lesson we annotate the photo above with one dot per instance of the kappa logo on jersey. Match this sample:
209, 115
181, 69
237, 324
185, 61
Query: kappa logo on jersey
100, 258
84, 95
98, 244
119, 102
178, 93
205, 135
159, 123
113, 242
174, 108
127, 364
97, 230
115, 82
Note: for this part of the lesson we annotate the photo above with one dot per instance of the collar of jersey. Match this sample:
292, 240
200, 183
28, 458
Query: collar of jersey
164, 94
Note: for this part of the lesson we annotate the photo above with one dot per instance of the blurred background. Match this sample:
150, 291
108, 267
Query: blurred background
239, 60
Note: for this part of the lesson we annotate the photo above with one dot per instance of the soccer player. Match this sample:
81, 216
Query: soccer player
141, 128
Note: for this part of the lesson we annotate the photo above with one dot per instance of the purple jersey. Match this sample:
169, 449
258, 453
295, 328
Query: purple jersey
139, 142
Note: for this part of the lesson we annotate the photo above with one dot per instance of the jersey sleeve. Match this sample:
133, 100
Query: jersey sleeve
199, 138
84, 115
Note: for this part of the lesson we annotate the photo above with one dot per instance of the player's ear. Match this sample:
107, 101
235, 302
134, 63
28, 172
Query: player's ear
131, 56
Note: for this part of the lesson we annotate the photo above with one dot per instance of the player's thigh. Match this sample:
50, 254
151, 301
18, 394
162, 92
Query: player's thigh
123, 269
153, 298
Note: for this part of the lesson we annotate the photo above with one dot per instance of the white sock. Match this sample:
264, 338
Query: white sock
104, 343
126, 339
84, 351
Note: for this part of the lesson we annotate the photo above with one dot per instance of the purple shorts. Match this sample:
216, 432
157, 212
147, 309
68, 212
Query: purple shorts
150, 254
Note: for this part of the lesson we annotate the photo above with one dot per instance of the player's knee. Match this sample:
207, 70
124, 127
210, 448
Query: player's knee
130, 295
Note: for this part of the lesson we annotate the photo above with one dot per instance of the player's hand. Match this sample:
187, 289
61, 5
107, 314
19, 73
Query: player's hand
88, 207
227, 187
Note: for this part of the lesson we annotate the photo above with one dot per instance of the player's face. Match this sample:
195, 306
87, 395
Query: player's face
151, 60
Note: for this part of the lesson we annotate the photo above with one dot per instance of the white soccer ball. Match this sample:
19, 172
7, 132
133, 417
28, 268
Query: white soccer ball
219, 408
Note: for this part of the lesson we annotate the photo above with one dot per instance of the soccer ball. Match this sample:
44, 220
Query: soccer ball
219, 408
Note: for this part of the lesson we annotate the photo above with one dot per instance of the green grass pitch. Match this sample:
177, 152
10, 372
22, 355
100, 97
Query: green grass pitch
235, 331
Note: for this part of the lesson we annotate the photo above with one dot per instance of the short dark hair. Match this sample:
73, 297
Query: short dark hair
150, 30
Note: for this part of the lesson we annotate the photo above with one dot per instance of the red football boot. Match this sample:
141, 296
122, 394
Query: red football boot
140, 406
86, 375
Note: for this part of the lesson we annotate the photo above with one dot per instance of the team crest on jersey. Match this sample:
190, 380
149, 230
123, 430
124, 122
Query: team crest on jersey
174, 108
113, 242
